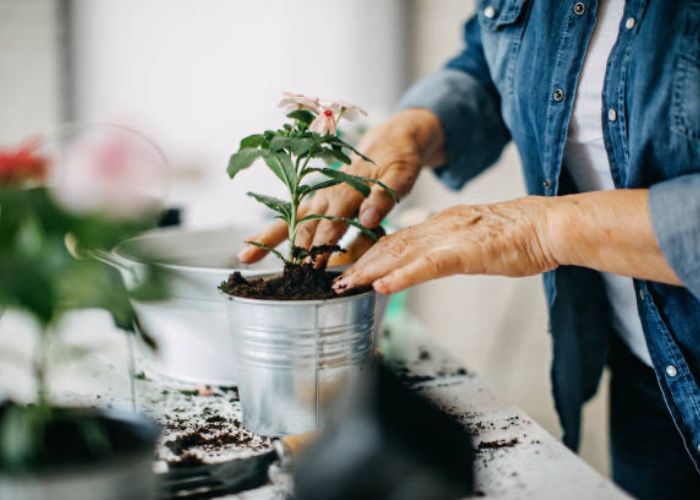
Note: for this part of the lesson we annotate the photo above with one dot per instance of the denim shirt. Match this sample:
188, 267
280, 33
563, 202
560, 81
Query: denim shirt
516, 79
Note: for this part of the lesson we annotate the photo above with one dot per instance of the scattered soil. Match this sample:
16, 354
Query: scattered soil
198, 439
498, 443
297, 282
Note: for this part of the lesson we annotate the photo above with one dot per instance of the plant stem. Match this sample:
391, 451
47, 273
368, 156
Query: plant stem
40, 370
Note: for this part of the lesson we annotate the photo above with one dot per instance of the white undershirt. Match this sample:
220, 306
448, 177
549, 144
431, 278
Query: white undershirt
587, 162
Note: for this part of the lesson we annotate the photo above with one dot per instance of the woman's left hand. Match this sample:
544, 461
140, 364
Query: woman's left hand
509, 238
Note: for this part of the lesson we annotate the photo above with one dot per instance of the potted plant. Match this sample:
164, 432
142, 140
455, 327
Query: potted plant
295, 337
48, 451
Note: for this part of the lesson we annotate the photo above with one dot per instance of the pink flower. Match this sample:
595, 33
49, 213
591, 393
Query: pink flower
110, 171
344, 109
291, 102
324, 123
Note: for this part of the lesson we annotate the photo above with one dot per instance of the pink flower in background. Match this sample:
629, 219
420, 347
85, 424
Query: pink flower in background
109, 171
345, 109
292, 102
324, 123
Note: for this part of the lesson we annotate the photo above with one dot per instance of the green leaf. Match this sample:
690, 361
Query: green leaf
301, 145
252, 141
365, 230
267, 248
306, 189
277, 168
337, 141
302, 115
284, 208
242, 159
355, 182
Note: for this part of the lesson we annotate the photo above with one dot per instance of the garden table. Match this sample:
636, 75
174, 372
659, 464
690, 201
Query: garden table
516, 457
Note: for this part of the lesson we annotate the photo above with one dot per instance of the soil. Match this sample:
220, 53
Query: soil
297, 282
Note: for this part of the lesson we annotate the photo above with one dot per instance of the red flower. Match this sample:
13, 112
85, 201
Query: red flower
21, 165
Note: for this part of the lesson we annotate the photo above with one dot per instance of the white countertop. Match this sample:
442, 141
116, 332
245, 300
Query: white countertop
516, 459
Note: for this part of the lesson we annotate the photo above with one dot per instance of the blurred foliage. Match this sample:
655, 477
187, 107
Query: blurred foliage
38, 273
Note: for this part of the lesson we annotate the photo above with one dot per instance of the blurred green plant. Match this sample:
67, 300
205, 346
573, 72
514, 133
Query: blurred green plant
45, 270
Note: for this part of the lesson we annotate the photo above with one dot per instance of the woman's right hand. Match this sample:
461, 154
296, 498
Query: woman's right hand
399, 147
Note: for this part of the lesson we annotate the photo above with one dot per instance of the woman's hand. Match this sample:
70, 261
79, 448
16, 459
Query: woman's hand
399, 147
610, 231
508, 239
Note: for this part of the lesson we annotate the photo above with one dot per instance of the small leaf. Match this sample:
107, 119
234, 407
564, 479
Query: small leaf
241, 160
337, 141
277, 168
365, 230
302, 115
355, 182
267, 248
301, 145
284, 208
306, 189
252, 141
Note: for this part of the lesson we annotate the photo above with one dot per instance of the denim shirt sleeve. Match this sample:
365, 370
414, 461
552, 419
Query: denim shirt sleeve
675, 215
466, 101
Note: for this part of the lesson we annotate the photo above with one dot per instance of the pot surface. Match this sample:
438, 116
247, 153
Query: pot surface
293, 356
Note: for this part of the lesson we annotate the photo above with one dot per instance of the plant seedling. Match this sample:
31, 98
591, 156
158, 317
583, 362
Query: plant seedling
288, 152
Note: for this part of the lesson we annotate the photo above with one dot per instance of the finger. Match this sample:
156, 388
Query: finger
425, 268
379, 203
272, 236
389, 254
329, 232
356, 249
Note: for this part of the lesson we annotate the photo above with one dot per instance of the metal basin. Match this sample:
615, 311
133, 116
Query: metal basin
293, 356
190, 328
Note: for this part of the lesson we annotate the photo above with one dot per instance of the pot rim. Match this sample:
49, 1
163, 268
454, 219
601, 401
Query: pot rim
311, 302
120, 252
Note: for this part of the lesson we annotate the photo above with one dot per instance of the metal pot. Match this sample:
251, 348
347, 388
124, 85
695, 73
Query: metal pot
292, 356
126, 474
190, 327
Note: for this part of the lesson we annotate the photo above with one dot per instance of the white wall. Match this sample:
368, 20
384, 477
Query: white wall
30, 73
198, 76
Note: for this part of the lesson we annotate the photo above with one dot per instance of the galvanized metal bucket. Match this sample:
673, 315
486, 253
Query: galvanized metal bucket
292, 356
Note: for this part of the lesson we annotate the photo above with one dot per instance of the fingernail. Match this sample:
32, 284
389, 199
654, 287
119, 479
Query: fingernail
246, 253
370, 217
340, 283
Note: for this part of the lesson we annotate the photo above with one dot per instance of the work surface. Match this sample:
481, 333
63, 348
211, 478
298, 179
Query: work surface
516, 458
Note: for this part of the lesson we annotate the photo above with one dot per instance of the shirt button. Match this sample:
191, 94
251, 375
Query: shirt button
546, 184
612, 114
558, 95
579, 8
641, 295
671, 371
489, 12
630, 22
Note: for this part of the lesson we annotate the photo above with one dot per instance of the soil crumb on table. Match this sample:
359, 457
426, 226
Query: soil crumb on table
498, 443
297, 282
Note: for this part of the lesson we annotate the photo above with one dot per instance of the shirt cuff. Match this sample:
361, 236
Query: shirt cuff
675, 216
474, 131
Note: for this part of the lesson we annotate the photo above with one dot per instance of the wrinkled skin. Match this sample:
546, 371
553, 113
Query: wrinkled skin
502, 239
